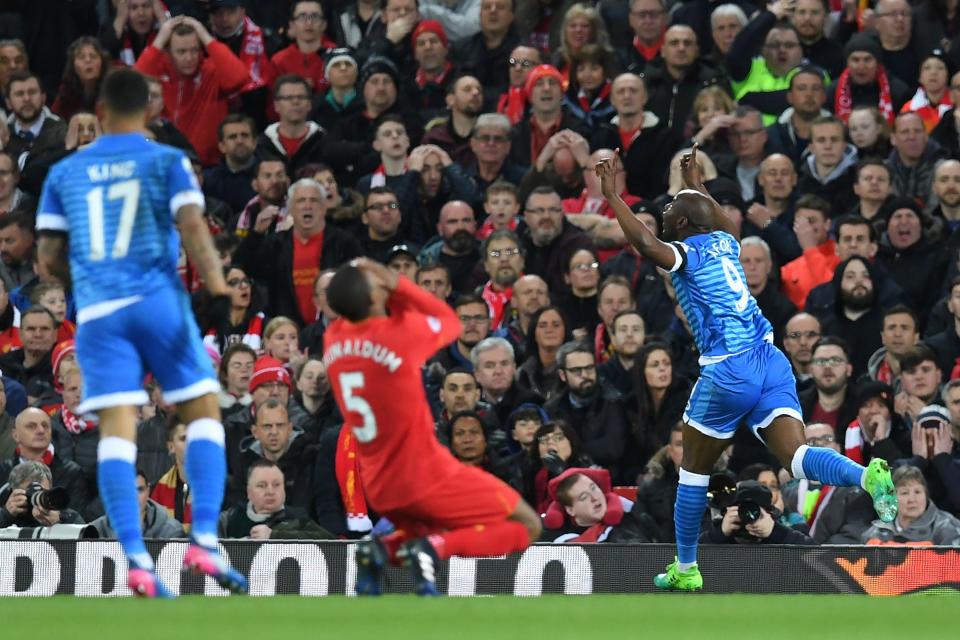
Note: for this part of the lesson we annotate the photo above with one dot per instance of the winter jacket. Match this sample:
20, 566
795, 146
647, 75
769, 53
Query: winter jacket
81, 448
66, 474
915, 182
310, 151
841, 517
782, 137
269, 258
813, 268
52, 134
490, 66
290, 523
7, 445
550, 262
544, 382
602, 424
296, 464
647, 160
933, 527
836, 188
157, 524
196, 105
671, 99
821, 302
649, 291
657, 493
752, 80
232, 187
943, 477
521, 138
918, 269
946, 345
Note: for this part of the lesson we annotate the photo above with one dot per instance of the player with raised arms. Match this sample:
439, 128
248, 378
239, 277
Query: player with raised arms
108, 220
744, 378
388, 328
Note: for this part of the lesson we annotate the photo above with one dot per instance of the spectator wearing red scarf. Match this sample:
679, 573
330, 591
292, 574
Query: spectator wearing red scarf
513, 103
434, 70
133, 29
544, 89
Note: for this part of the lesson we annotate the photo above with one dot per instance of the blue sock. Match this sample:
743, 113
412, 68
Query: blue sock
688, 513
206, 466
117, 479
827, 466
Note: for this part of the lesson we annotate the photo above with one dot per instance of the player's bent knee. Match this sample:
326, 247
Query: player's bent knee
206, 406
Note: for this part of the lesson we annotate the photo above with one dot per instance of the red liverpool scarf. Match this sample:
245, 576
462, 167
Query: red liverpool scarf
74, 423
843, 102
347, 466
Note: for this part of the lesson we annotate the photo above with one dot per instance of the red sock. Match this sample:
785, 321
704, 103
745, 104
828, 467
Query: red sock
482, 540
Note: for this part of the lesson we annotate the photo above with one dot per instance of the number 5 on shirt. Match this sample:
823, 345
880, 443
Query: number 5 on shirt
350, 383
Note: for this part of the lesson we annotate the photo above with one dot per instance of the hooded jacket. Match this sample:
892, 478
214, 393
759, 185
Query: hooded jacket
782, 136
157, 523
311, 148
837, 187
933, 527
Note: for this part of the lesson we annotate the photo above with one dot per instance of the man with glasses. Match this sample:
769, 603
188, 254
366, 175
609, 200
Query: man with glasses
761, 58
893, 23
549, 240
513, 102
800, 334
490, 147
648, 21
474, 315
381, 217
597, 414
295, 139
503, 262
830, 401
487, 55
304, 56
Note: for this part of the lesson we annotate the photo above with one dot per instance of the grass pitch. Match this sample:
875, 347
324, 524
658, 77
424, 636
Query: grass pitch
618, 617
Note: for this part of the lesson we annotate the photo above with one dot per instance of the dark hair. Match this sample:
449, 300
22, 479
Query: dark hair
170, 425
615, 279
531, 348
528, 413
296, 3
469, 298
312, 168
871, 161
807, 69
291, 78
349, 293
917, 354
231, 351
262, 463
14, 162
577, 455
592, 53
854, 220
71, 81
461, 370
236, 118
500, 234
433, 266
753, 471
542, 190
464, 414
43, 288
125, 92
903, 309
832, 341
815, 202
645, 404
829, 119
390, 117
21, 76
380, 191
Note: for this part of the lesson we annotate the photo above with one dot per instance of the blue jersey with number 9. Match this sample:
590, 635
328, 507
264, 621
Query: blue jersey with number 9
116, 199
712, 291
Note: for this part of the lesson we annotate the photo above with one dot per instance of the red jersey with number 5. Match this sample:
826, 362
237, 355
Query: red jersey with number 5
374, 367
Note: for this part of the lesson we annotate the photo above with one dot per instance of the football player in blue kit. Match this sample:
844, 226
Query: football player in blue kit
108, 221
744, 378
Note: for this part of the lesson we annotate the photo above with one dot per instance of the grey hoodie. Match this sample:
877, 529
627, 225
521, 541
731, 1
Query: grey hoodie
934, 526
157, 523
849, 159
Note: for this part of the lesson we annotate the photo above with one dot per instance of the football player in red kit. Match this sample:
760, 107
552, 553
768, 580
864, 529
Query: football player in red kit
388, 328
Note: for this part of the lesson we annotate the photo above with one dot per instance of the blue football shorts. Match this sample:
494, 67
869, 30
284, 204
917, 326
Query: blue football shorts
753, 388
119, 342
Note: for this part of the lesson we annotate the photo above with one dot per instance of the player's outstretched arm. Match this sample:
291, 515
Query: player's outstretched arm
636, 232
691, 179
52, 254
199, 246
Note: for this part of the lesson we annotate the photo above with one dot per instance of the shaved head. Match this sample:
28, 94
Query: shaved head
689, 209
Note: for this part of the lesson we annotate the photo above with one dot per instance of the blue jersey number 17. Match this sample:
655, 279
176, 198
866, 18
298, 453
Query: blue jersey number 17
129, 192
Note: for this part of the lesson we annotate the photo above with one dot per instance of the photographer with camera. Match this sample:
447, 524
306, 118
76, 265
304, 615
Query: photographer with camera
33, 433
29, 499
749, 517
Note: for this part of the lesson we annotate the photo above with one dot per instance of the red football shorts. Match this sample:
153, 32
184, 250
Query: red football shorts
468, 498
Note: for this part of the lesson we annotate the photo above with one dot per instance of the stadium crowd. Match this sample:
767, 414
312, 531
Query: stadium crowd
454, 141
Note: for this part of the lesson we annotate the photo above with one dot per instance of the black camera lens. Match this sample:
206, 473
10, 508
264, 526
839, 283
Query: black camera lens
56, 499
749, 512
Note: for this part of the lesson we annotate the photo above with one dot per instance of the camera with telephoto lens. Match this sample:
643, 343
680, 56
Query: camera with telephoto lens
751, 500
56, 499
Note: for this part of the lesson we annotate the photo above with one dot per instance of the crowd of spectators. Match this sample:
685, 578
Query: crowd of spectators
454, 141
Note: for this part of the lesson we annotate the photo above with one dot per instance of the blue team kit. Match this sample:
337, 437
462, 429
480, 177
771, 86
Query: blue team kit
743, 377
116, 200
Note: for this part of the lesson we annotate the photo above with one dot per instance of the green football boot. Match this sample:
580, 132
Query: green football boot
879, 485
675, 580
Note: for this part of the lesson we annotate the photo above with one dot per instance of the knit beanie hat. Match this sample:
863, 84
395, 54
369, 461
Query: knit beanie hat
863, 42
339, 54
432, 26
378, 64
541, 71
268, 369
